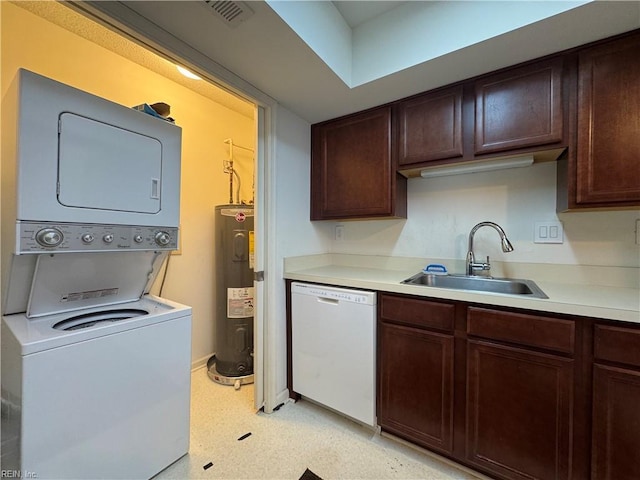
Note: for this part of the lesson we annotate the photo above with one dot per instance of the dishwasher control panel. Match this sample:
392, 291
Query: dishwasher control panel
338, 294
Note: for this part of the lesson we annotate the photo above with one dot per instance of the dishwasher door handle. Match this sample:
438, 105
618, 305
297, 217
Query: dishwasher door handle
329, 301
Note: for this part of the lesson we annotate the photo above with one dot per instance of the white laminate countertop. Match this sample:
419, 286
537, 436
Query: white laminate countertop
618, 300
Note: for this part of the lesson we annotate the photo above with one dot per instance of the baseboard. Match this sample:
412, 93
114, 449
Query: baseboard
201, 362
434, 455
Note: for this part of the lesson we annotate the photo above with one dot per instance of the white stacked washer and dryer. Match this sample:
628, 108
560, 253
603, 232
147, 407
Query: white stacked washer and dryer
95, 371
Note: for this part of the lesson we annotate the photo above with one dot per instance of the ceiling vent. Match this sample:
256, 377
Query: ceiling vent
230, 13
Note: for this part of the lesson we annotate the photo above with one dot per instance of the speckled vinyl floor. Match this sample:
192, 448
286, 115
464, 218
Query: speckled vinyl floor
282, 445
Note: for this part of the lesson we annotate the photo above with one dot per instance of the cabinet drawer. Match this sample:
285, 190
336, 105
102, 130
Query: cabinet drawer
531, 330
617, 344
417, 312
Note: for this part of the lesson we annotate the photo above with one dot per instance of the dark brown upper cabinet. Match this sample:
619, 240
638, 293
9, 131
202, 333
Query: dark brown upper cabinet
430, 127
580, 107
519, 108
513, 111
353, 174
608, 134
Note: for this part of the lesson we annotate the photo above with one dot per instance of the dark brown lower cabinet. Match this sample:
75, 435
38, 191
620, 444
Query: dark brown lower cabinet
492, 389
512, 393
416, 385
616, 423
519, 408
616, 402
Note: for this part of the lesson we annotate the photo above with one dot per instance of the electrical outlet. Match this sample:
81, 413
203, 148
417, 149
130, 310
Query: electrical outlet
548, 232
339, 233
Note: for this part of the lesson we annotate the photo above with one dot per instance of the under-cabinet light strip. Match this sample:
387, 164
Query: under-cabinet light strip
487, 166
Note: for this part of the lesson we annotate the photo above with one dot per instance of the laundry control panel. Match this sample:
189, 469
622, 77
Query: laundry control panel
38, 237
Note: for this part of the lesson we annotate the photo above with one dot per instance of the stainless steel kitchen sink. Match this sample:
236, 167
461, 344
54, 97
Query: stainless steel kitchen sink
509, 286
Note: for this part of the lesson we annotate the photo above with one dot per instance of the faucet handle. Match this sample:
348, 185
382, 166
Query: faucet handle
486, 266
479, 266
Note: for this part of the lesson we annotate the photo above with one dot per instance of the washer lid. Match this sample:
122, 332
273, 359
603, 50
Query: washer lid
73, 281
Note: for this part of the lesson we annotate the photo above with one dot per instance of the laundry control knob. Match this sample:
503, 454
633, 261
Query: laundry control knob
108, 238
138, 238
49, 237
88, 238
163, 239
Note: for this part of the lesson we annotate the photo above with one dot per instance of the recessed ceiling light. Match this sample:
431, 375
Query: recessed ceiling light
187, 73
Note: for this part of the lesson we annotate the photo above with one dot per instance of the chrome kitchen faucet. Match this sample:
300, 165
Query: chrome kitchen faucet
472, 265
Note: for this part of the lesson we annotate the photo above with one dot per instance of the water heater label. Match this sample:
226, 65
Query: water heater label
240, 302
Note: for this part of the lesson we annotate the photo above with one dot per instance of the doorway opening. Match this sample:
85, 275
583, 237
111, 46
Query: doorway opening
93, 57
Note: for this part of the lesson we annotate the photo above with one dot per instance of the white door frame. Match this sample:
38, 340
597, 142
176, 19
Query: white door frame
126, 22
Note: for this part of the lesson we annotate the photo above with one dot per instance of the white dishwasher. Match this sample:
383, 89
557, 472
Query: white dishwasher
333, 348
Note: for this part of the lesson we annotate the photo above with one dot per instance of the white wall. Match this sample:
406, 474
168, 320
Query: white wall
296, 234
416, 32
321, 27
442, 211
408, 35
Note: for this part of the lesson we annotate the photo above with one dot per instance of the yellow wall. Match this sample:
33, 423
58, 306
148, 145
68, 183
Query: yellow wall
36, 44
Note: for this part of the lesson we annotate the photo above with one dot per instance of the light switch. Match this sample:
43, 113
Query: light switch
548, 232
542, 231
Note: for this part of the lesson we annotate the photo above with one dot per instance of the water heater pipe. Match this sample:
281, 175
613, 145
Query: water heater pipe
231, 171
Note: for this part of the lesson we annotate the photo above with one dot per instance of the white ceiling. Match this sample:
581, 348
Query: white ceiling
356, 12
70, 20
266, 52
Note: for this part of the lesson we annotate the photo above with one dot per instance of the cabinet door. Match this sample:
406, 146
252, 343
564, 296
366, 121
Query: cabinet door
608, 152
616, 424
430, 127
520, 108
352, 173
415, 389
519, 411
